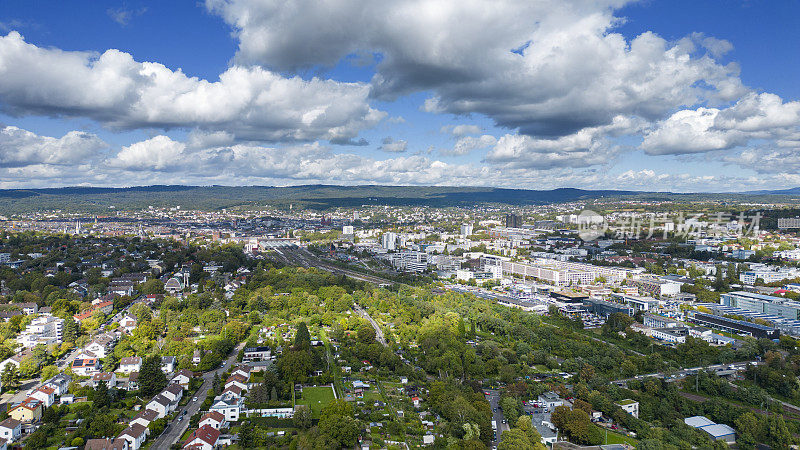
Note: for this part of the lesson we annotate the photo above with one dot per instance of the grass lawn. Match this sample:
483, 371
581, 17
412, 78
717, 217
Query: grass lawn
316, 398
616, 438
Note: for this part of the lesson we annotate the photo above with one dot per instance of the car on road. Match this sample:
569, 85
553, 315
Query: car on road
194, 399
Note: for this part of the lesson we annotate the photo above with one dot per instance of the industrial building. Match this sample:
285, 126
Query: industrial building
734, 326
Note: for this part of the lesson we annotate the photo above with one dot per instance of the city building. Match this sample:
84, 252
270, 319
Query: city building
657, 287
389, 241
734, 326
656, 321
761, 303
513, 221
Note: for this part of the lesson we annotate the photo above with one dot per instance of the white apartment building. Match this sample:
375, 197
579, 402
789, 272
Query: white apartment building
767, 273
563, 273
408, 261
45, 329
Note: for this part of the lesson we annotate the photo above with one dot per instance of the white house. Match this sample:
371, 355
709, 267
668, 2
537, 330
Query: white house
135, 435
128, 324
182, 377
145, 417
629, 406
173, 392
130, 364
10, 429
85, 367
45, 394
109, 378
160, 405
229, 406
214, 419
167, 364
59, 383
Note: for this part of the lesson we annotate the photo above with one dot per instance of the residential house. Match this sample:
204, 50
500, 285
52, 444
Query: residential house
130, 364
233, 390
174, 392
237, 380
59, 383
133, 382
160, 405
214, 419
229, 406
46, 395
10, 429
101, 345
28, 308
145, 418
183, 377
256, 354
242, 370
27, 411
629, 406
135, 435
203, 438
109, 378
128, 324
15, 359
167, 364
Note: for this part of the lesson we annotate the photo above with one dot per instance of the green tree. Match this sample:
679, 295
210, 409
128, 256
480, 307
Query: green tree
302, 340
302, 417
524, 423
296, 365
337, 421
153, 286
515, 439
71, 329
749, 429
510, 408
10, 377
99, 396
151, 379
366, 334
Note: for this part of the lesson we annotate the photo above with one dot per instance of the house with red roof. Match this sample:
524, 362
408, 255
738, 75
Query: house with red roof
203, 438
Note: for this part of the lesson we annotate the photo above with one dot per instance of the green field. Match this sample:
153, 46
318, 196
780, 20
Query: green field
616, 438
316, 398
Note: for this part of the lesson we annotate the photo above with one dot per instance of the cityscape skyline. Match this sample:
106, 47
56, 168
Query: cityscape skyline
596, 95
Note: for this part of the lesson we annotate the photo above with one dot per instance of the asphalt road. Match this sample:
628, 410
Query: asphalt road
177, 428
497, 415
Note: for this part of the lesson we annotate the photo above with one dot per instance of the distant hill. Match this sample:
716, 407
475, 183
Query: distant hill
791, 191
97, 200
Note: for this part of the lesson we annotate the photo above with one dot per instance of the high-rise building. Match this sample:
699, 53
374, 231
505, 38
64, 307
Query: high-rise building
788, 222
513, 220
389, 241
466, 229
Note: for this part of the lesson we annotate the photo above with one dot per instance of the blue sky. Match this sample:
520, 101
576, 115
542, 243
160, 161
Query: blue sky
651, 95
